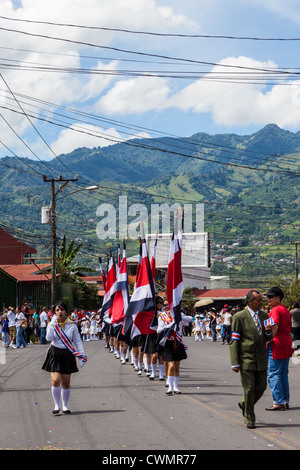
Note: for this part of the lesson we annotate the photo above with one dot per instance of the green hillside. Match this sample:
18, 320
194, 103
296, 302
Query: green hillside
249, 186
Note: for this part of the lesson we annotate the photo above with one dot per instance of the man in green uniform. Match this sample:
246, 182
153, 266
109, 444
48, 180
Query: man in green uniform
248, 352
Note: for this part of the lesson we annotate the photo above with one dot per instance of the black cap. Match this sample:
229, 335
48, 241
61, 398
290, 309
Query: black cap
275, 291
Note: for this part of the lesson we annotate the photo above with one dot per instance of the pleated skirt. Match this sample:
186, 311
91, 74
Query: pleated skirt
60, 360
173, 351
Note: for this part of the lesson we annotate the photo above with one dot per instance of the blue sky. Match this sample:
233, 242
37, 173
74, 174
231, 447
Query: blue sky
117, 105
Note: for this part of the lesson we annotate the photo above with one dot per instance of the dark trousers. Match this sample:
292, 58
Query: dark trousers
254, 384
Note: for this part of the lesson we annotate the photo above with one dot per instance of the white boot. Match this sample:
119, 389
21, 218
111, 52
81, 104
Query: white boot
176, 381
171, 383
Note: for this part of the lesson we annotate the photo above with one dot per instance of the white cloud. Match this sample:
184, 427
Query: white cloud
134, 96
67, 88
88, 136
237, 104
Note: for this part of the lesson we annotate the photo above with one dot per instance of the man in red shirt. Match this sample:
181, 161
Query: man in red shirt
279, 351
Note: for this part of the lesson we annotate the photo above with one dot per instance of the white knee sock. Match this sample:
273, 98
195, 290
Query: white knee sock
161, 369
153, 367
176, 381
65, 395
56, 396
170, 383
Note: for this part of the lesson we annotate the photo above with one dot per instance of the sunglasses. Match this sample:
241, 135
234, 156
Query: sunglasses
270, 296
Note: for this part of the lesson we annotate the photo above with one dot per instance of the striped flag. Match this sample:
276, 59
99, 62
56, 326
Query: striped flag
153, 261
102, 274
118, 260
142, 304
121, 298
168, 323
110, 290
174, 279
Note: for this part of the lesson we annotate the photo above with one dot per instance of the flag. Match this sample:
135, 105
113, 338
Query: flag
153, 261
102, 274
168, 322
174, 279
118, 260
121, 298
109, 291
142, 304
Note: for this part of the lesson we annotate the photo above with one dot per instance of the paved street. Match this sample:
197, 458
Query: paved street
114, 409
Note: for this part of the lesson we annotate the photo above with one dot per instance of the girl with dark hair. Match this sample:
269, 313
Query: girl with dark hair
61, 356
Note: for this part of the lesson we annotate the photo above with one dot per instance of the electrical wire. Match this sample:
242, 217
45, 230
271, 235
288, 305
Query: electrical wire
151, 33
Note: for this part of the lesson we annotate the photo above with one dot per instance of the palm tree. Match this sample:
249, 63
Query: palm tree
68, 270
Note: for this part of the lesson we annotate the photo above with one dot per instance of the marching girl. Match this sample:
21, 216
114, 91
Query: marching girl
61, 356
173, 351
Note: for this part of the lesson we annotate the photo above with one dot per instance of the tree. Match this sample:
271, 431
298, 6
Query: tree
68, 270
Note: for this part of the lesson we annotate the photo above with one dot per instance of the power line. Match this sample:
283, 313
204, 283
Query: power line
144, 54
151, 33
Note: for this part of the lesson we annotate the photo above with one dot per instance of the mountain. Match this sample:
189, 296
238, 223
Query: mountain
249, 186
142, 160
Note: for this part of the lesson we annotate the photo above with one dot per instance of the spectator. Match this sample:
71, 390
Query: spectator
279, 351
37, 325
43, 324
20, 321
12, 329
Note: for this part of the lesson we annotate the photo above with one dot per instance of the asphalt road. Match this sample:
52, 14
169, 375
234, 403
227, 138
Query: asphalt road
114, 410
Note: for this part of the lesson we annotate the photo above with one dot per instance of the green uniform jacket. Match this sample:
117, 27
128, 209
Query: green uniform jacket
247, 347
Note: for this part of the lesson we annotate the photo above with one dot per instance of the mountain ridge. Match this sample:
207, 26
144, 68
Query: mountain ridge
141, 160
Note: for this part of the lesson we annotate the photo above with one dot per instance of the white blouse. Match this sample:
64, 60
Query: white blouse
71, 331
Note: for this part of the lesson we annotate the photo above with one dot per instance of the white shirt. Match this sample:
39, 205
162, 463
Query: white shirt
44, 319
11, 318
71, 331
166, 321
227, 317
19, 318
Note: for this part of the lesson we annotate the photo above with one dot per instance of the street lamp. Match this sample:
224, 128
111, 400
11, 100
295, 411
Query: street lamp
49, 216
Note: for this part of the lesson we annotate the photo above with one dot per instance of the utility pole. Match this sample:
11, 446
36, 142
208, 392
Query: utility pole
296, 260
54, 193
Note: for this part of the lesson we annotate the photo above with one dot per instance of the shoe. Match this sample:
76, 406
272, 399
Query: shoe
55, 412
67, 412
251, 426
161, 379
140, 372
169, 392
243, 410
178, 392
151, 377
276, 408
286, 406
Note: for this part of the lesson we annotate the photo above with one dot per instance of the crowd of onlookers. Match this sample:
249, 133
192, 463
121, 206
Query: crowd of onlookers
22, 326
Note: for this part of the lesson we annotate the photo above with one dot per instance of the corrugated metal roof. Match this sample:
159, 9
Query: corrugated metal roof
26, 272
221, 293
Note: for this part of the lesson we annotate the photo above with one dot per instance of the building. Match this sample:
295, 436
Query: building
195, 261
13, 250
221, 297
25, 283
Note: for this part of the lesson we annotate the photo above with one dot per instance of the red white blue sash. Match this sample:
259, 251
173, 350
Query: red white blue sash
63, 337
168, 320
178, 337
